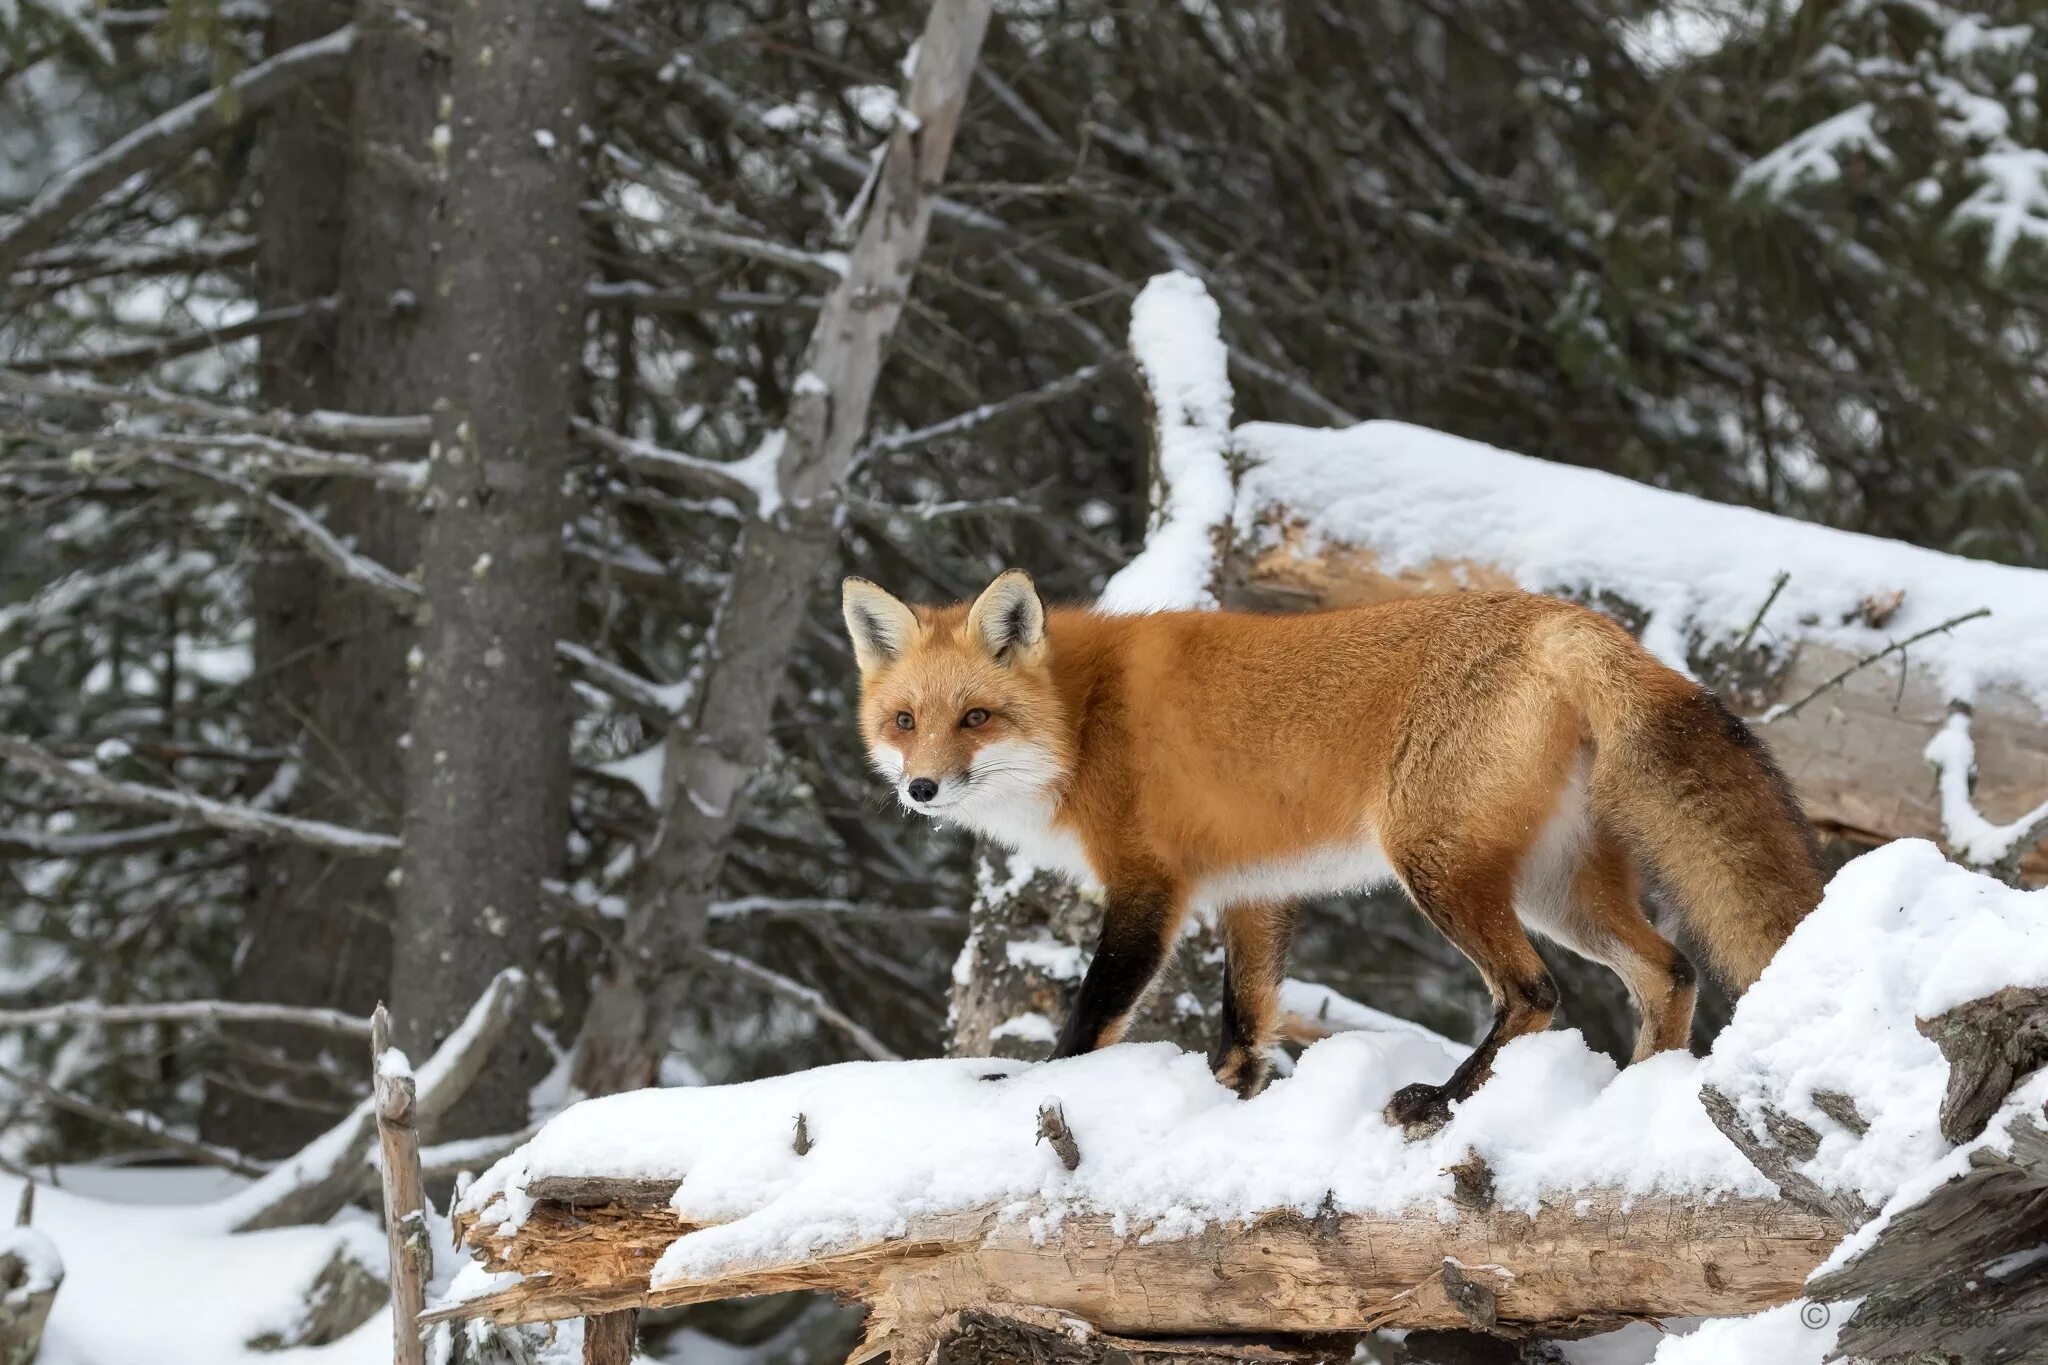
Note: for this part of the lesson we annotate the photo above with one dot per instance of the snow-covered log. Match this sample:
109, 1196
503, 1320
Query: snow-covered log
1383, 509
1606, 1259
1130, 1193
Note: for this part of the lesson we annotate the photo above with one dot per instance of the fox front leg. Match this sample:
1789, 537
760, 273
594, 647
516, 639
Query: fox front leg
1140, 922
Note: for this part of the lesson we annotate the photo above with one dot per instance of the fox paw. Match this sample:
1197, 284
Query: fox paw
1243, 1070
1419, 1110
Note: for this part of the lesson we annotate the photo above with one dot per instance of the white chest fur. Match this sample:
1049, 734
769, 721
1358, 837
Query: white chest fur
1024, 825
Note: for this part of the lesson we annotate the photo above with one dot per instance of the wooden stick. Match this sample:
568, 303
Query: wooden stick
405, 1217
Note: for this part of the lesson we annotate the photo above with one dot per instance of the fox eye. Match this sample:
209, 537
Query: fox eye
974, 719
905, 721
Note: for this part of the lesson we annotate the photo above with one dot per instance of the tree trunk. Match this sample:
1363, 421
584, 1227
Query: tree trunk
326, 655
487, 769
783, 551
1029, 933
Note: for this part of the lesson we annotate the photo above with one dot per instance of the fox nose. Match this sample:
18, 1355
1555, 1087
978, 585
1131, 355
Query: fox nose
923, 789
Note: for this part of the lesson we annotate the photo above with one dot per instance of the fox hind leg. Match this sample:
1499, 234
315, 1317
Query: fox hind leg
1255, 942
1468, 894
1603, 920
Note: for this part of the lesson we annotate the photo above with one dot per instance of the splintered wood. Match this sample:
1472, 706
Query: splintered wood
1599, 1261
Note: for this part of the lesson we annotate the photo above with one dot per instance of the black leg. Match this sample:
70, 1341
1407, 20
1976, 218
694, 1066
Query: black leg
1138, 926
1255, 943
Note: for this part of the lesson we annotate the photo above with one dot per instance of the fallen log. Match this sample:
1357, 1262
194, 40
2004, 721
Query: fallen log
1383, 510
1565, 1271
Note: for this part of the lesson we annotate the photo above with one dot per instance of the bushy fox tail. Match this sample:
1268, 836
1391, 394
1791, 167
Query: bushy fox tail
1695, 796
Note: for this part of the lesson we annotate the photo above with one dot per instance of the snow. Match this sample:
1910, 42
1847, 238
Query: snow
1416, 498
1797, 1333
150, 1279
1176, 336
1028, 1027
1902, 934
1975, 839
41, 1265
1815, 157
641, 771
2011, 203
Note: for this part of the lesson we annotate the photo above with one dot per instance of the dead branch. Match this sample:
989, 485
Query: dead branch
1989, 1044
167, 138
142, 1127
85, 1014
1778, 713
193, 808
276, 422
310, 1186
805, 998
170, 348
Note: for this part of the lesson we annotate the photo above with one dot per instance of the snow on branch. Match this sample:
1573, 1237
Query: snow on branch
2011, 204
750, 481
1177, 340
93, 785
1972, 838
1815, 156
166, 139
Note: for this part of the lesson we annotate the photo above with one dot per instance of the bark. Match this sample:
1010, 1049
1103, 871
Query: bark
782, 554
330, 654
1025, 951
1960, 1276
31, 1272
488, 766
1990, 1044
1580, 1267
1787, 1144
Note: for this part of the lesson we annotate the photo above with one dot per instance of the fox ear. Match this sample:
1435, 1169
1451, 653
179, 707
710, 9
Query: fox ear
880, 625
1008, 618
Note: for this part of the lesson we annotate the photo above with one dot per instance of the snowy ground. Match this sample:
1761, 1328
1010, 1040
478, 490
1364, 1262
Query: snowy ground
152, 1276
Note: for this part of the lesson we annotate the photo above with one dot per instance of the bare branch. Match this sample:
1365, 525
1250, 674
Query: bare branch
827, 266
305, 528
986, 413
142, 1127
773, 907
328, 1172
35, 843
802, 996
317, 425
659, 701
166, 139
1778, 713
670, 466
87, 1014
170, 348
204, 810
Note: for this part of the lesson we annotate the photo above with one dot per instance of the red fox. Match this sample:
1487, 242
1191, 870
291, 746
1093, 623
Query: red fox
1514, 761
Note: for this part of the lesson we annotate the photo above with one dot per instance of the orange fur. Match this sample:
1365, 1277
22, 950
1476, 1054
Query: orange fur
1511, 759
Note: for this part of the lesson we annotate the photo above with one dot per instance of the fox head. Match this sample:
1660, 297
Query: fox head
958, 707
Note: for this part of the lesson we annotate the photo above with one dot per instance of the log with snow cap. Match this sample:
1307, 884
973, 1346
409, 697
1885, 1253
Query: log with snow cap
1562, 1197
